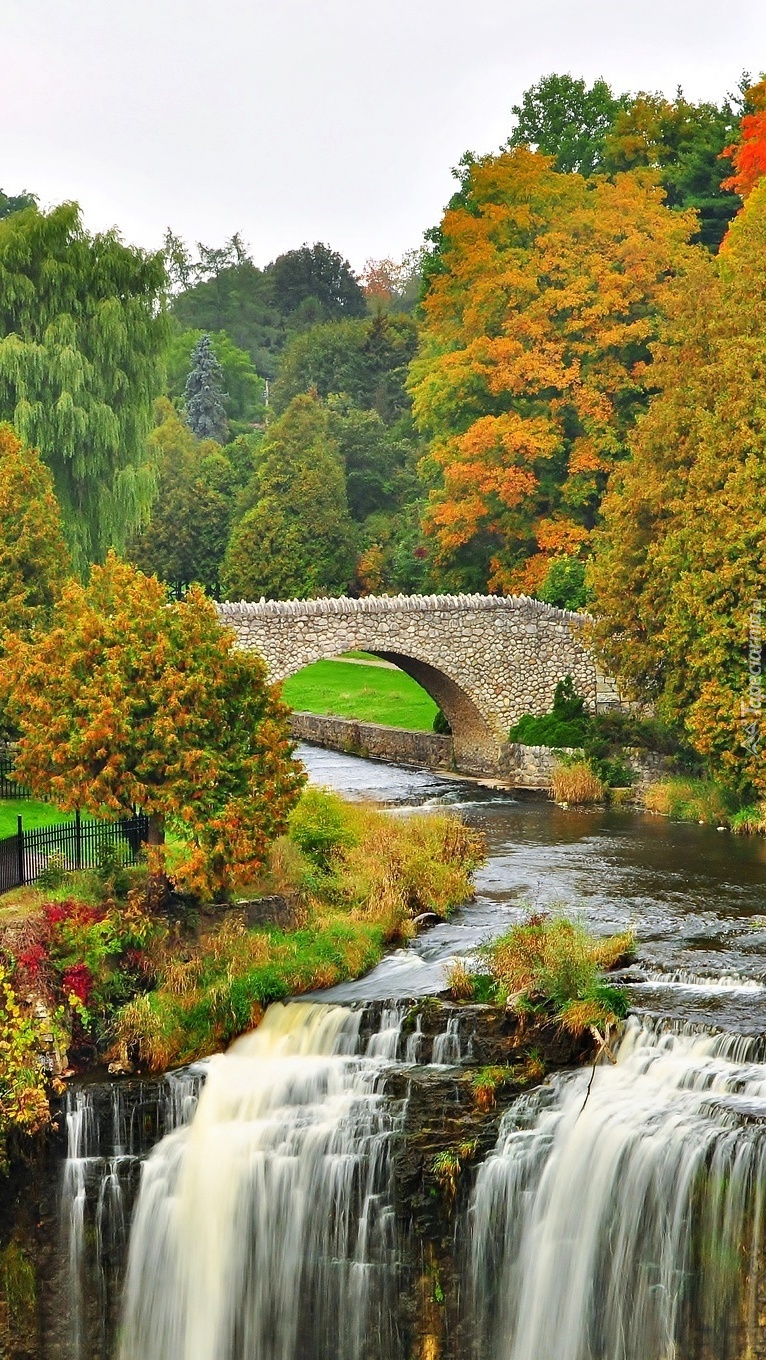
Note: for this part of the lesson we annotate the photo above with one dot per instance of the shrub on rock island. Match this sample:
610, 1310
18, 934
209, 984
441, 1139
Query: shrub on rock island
132, 701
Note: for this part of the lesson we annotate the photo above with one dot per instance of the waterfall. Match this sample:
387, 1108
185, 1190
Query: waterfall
110, 1129
265, 1227
620, 1216
447, 1049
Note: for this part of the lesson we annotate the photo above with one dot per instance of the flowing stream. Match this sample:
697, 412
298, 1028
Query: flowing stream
616, 1213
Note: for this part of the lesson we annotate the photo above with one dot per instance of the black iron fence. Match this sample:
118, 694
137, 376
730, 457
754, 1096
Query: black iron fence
77, 844
8, 786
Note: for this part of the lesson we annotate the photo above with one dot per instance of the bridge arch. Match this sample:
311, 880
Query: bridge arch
484, 659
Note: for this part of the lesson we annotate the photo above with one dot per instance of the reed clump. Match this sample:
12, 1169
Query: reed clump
750, 820
577, 783
689, 800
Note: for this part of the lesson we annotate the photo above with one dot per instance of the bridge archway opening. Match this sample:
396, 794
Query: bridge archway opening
475, 745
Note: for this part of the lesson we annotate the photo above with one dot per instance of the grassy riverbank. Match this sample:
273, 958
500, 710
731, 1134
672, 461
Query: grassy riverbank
150, 989
353, 689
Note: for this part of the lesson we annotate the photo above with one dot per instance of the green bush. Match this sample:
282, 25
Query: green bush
566, 725
319, 826
602, 737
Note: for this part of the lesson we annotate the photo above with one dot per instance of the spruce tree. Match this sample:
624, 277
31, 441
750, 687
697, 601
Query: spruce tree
203, 394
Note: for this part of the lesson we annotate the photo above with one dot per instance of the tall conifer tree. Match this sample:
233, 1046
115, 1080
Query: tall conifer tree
204, 394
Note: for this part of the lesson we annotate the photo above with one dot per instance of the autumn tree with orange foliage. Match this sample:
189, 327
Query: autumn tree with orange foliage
533, 361
680, 569
748, 155
132, 701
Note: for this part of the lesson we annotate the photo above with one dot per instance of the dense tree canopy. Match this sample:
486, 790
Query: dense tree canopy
33, 556
365, 360
185, 539
261, 308
683, 143
81, 340
297, 540
681, 563
243, 388
533, 359
131, 701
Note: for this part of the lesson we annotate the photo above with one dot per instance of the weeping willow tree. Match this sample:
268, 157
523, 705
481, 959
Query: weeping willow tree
82, 333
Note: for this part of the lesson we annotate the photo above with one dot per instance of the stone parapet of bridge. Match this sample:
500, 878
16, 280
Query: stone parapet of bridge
485, 659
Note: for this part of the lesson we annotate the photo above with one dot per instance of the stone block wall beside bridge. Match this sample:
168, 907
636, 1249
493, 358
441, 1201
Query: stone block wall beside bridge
484, 659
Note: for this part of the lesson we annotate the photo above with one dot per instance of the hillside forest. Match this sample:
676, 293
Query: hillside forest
558, 393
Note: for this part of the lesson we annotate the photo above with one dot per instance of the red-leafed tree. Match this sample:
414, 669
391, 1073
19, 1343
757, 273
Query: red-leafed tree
748, 155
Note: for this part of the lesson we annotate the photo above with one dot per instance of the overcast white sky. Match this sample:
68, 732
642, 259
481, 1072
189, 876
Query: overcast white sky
303, 120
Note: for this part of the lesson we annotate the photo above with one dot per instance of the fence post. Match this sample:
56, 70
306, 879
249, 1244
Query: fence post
20, 835
77, 840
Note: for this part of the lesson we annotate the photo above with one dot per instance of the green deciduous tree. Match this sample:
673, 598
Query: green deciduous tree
365, 360
373, 458
185, 538
563, 118
132, 701
315, 274
81, 341
297, 540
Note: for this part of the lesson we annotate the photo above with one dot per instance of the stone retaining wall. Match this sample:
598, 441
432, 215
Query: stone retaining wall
397, 745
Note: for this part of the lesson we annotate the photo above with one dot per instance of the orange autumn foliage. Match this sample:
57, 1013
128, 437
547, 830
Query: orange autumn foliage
681, 560
748, 155
533, 358
133, 701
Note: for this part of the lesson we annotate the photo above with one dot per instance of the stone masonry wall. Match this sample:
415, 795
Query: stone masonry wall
485, 659
426, 750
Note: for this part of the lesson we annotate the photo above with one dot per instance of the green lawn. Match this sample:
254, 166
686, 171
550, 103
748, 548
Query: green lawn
370, 693
34, 814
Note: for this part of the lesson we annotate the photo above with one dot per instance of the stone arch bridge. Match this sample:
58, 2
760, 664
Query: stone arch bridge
484, 659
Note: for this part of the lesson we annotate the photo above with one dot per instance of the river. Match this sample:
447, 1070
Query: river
695, 896
613, 1213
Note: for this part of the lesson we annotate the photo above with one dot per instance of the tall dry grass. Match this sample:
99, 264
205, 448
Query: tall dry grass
576, 783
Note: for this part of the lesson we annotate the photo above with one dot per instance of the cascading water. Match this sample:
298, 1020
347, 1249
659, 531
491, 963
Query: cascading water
265, 1228
110, 1130
620, 1216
